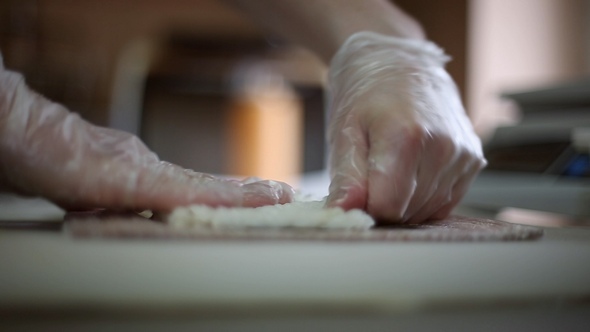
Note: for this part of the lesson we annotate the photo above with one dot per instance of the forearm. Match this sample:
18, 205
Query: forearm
323, 25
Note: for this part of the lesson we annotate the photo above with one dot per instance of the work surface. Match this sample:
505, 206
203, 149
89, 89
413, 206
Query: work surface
50, 273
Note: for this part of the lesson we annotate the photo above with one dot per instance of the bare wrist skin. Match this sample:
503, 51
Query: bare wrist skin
324, 25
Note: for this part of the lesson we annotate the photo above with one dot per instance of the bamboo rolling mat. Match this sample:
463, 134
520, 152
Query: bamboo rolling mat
452, 229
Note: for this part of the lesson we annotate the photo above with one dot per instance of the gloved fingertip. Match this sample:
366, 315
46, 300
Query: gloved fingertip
287, 193
266, 193
443, 213
348, 199
337, 199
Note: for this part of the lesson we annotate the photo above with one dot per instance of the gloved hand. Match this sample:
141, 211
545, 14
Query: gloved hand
401, 145
47, 151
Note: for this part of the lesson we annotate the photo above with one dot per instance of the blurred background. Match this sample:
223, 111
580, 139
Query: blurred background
206, 88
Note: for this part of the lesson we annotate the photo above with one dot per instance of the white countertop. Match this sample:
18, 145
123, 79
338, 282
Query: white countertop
49, 270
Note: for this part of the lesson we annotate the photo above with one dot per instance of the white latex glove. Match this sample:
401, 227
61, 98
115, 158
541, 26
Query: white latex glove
401, 145
50, 152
